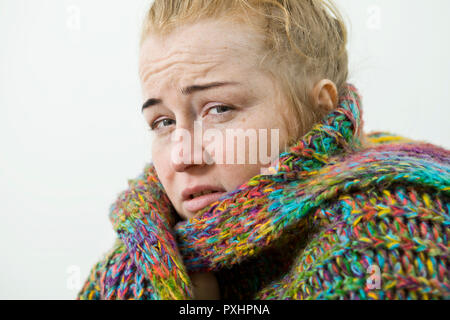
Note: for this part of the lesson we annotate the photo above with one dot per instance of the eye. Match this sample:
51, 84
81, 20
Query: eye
222, 108
155, 125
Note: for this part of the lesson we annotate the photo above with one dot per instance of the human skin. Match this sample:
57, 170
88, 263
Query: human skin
202, 53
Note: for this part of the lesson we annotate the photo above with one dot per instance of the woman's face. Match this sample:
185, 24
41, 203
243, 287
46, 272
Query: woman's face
243, 97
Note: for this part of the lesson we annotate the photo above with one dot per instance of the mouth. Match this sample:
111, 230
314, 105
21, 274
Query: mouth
198, 200
201, 193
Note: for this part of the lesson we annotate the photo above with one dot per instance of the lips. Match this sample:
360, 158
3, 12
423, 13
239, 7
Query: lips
200, 202
198, 197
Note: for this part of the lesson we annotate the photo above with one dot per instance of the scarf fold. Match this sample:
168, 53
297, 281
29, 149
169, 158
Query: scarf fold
263, 214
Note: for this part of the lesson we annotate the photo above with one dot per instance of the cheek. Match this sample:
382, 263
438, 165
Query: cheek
234, 176
162, 166
277, 133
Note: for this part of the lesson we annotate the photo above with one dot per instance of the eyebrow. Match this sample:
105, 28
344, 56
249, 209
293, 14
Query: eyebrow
187, 91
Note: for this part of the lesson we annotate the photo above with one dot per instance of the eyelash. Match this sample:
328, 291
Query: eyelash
154, 124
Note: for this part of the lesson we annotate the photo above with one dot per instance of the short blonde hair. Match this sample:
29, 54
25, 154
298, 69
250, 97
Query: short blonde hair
305, 41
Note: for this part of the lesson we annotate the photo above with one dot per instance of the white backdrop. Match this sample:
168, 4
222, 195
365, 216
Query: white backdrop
71, 131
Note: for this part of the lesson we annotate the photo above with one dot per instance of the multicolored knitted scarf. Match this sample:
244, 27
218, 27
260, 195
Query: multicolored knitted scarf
342, 216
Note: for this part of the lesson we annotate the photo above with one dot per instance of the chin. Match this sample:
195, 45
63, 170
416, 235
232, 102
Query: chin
185, 215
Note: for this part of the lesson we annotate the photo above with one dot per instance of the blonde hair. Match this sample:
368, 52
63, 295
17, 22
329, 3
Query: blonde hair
305, 41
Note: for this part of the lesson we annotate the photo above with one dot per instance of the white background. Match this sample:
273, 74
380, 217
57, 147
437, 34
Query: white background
71, 131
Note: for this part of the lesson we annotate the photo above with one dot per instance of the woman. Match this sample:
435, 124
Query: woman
335, 214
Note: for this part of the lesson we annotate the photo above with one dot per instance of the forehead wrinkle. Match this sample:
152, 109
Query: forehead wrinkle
204, 68
202, 54
193, 74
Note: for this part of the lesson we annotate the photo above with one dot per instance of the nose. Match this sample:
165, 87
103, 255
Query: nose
187, 150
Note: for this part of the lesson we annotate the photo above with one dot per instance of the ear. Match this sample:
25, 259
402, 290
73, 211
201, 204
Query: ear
324, 95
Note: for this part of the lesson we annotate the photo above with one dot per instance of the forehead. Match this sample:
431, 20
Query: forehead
202, 42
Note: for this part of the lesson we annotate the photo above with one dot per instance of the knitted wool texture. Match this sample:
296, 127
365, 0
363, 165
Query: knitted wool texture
335, 219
